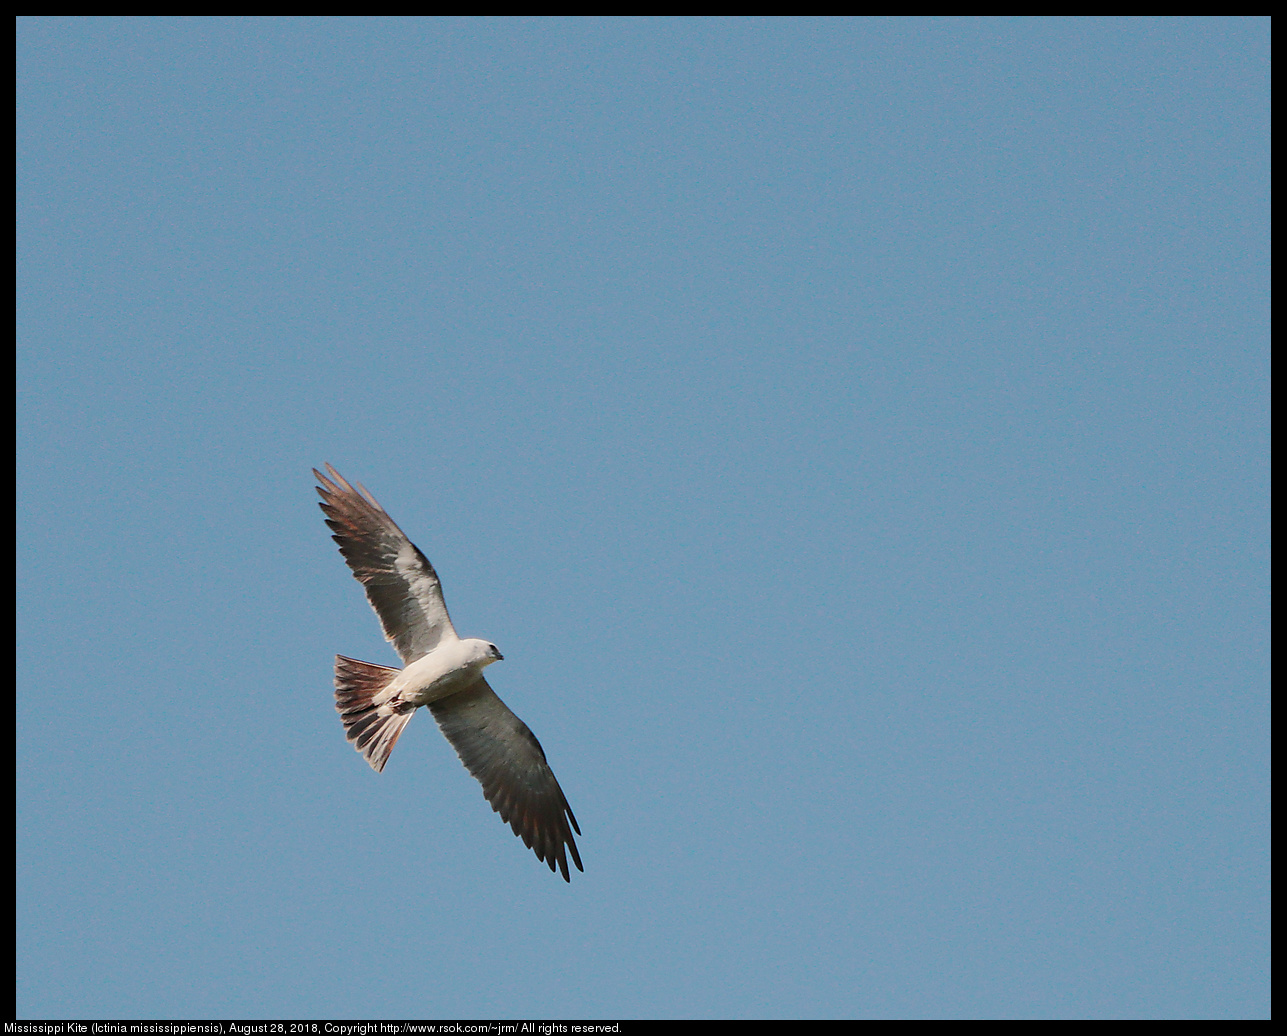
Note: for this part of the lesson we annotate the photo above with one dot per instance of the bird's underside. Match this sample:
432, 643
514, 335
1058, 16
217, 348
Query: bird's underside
442, 672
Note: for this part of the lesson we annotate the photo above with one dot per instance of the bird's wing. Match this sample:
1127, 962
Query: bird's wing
499, 750
400, 583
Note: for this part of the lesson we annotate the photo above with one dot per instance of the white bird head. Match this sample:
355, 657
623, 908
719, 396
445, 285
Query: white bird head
481, 653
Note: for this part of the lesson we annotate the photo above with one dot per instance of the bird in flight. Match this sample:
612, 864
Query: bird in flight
440, 671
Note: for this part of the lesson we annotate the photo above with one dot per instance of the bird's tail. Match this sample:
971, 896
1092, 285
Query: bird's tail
372, 720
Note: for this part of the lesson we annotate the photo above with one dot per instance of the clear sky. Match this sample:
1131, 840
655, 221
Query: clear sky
855, 435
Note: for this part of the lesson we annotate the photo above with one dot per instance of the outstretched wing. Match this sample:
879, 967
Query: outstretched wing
400, 583
499, 750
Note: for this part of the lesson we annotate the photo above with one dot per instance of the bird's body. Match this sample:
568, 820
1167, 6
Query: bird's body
450, 667
441, 671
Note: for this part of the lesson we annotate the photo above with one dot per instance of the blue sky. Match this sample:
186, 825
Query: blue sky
855, 435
